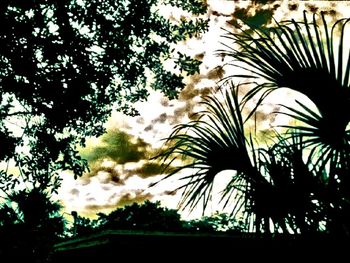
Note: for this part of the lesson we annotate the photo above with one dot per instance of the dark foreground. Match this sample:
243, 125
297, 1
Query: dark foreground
126, 246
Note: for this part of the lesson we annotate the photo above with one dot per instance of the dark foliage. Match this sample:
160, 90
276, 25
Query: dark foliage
150, 216
64, 65
218, 222
30, 224
147, 216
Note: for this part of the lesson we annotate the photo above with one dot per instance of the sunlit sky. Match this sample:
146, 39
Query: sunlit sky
120, 170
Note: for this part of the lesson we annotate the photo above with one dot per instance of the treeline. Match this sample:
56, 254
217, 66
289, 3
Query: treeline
151, 216
32, 224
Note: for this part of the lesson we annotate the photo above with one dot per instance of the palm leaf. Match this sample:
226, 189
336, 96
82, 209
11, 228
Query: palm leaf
213, 143
310, 159
293, 54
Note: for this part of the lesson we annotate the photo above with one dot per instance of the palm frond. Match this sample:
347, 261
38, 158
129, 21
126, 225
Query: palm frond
317, 133
289, 174
309, 58
300, 182
213, 143
285, 53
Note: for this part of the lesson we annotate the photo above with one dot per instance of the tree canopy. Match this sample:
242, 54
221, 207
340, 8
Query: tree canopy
64, 65
151, 216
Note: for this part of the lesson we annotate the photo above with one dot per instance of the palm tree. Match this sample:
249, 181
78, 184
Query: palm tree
300, 183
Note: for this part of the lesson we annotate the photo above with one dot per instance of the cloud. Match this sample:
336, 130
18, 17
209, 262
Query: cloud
118, 156
119, 200
140, 120
189, 98
101, 194
112, 173
137, 196
293, 6
105, 176
161, 118
74, 192
92, 209
118, 146
148, 169
148, 128
120, 170
256, 14
216, 73
84, 180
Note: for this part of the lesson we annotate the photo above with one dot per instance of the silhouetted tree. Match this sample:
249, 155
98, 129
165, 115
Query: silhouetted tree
217, 222
151, 216
83, 226
64, 65
300, 182
30, 224
147, 216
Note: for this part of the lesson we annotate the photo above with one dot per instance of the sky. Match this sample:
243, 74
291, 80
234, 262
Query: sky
120, 169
